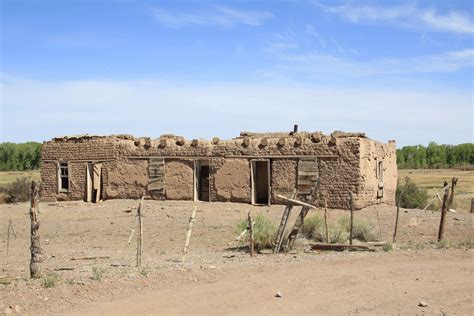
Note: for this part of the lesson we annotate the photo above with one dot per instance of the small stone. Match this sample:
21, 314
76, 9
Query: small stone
278, 294
17, 309
422, 304
212, 267
45, 299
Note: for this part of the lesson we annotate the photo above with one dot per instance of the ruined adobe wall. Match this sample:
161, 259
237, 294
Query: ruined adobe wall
283, 178
76, 151
372, 152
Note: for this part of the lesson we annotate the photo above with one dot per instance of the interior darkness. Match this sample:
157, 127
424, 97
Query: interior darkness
203, 194
261, 182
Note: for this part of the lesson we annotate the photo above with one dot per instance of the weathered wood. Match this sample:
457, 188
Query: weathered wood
195, 142
188, 233
326, 218
264, 142
300, 219
293, 201
352, 217
246, 142
281, 142
35, 247
283, 222
215, 140
447, 203
180, 141
10, 231
252, 249
140, 233
444, 209
399, 199
340, 247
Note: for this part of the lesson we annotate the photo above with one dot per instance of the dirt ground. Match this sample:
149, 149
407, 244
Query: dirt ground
219, 277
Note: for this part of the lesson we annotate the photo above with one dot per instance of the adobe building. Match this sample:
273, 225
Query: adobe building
252, 168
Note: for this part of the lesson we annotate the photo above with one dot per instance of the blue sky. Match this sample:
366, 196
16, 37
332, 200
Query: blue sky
398, 70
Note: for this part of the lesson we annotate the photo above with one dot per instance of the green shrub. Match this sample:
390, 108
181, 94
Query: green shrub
362, 229
17, 191
338, 235
412, 196
313, 227
264, 232
387, 246
97, 273
50, 279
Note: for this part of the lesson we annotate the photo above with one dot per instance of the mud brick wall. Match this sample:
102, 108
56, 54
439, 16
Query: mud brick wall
283, 178
372, 152
127, 178
179, 179
232, 181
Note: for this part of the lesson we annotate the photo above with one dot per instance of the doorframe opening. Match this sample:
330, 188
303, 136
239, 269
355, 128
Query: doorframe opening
260, 181
202, 183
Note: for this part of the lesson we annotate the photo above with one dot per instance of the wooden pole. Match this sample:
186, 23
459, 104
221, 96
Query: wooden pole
326, 218
352, 217
399, 199
284, 221
447, 204
444, 209
252, 250
300, 219
140, 233
188, 233
35, 247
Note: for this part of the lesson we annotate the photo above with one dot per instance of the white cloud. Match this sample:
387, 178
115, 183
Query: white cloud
406, 15
221, 16
34, 110
315, 64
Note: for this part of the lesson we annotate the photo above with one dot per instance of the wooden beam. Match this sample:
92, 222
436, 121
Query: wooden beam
340, 247
296, 201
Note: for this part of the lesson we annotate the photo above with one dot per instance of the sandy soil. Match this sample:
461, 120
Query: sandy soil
217, 276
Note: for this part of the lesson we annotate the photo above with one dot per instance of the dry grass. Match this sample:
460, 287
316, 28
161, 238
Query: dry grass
7, 177
434, 178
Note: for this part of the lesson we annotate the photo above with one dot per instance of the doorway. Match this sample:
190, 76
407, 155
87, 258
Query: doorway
201, 180
93, 182
260, 172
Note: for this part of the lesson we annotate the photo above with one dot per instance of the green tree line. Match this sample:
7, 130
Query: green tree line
435, 156
26, 156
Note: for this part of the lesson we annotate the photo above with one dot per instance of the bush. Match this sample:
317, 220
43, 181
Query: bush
264, 232
97, 273
362, 229
313, 227
387, 247
412, 196
50, 279
17, 191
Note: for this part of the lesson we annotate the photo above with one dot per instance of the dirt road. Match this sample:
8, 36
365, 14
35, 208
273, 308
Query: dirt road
330, 284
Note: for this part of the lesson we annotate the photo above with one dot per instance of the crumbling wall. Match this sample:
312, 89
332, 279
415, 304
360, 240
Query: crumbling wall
77, 152
283, 178
128, 178
372, 152
232, 181
179, 181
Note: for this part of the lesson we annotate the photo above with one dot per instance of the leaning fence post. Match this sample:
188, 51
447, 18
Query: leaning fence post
352, 217
140, 233
444, 209
188, 233
35, 247
399, 198
252, 250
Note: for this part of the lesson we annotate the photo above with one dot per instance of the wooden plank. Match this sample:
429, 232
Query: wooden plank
340, 247
283, 222
296, 201
307, 173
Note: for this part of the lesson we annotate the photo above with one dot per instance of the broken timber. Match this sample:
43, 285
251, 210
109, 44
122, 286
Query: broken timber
284, 221
293, 201
300, 220
340, 247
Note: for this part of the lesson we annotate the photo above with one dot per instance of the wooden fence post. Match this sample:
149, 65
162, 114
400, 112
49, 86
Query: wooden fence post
284, 220
35, 247
326, 218
140, 233
444, 210
252, 250
447, 203
399, 199
352, 217
188, 233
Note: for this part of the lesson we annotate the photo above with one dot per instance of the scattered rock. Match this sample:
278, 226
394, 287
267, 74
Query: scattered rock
265, 251
278, 294
422, 304
17, 309
212, 267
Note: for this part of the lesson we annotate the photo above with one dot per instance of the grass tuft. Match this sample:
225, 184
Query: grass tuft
264, 232
97, 274
50, 280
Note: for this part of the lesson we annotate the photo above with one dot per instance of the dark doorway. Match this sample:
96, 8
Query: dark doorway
201, 178
261, 181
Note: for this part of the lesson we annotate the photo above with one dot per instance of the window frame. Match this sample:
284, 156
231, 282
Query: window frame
63, 165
